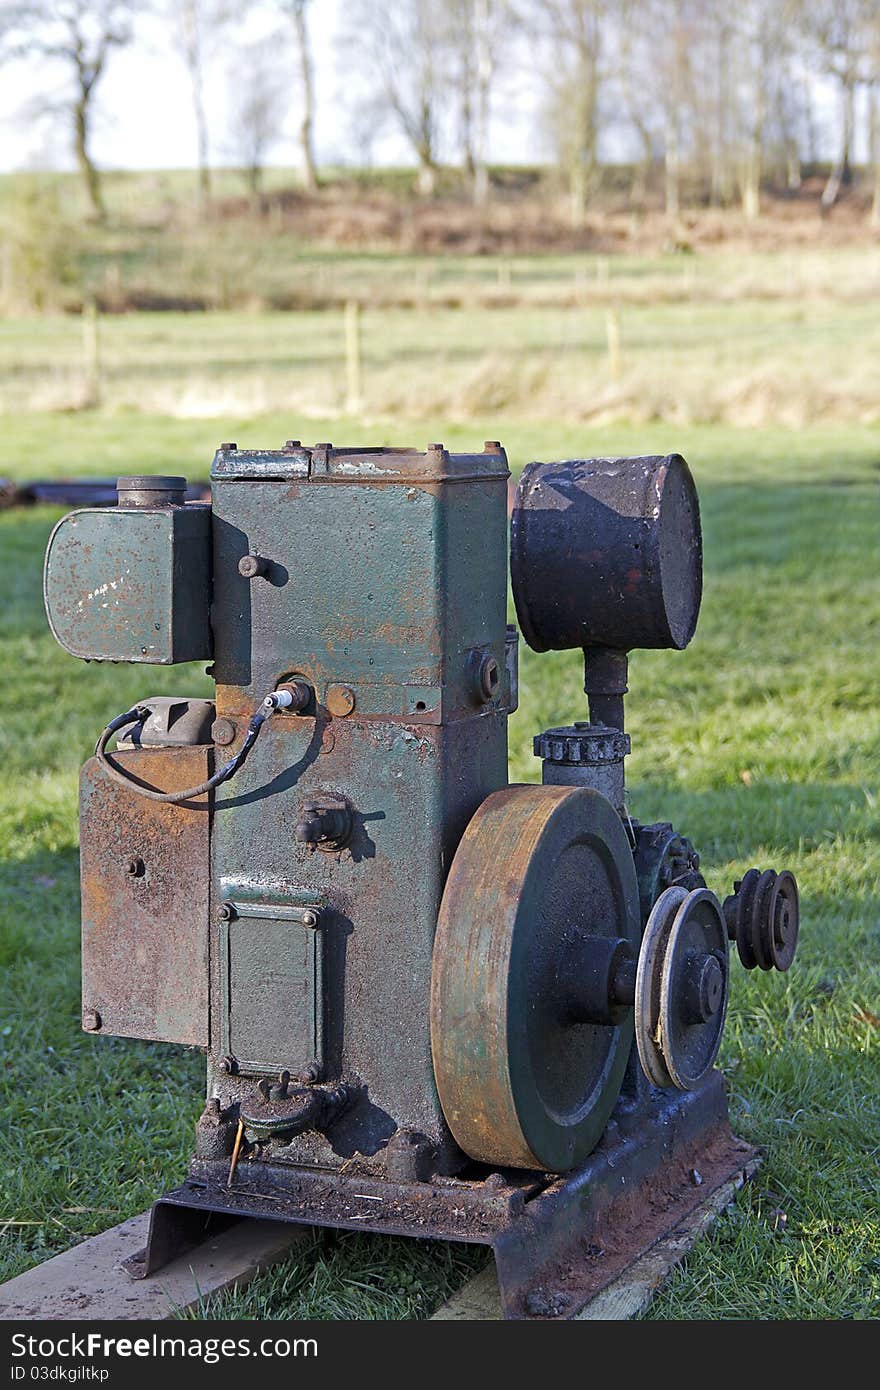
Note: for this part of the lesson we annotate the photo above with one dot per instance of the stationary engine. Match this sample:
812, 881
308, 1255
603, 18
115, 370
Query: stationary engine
432, 1002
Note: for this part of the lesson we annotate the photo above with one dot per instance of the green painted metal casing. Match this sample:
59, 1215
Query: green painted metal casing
131, 584
384, 571
379, 579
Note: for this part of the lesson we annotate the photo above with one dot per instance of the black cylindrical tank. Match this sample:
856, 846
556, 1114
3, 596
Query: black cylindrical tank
607, 552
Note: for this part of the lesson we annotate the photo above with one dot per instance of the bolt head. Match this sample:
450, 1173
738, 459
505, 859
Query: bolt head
135, 867
310, 919
340, 700
228, 447
225, 912
91, 1020
222, 731
229, 1065
249, 566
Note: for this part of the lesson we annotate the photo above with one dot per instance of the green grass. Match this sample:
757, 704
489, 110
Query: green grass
759, 340
761, 742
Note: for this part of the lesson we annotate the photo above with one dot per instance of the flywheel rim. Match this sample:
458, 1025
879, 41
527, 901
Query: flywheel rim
499, 934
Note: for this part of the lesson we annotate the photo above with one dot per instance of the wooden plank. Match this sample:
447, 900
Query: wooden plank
631, 1292
87, 1281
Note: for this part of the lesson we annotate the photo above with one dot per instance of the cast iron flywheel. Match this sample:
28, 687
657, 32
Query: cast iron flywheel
539, 916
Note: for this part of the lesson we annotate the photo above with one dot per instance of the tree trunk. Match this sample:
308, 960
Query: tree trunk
638, 190
751, 180
306, 127
426, 180
841, 172
672, 169
91, 177
793, 167
719, 176
577, 193
874, 133
202, 138
467, 128
191, 39
483, 71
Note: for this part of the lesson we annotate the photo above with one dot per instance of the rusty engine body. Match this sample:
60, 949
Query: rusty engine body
432, 1002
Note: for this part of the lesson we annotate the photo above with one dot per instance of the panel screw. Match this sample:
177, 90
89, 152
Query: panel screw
91, 1020
341, 700
222, 731
135, 867
309, 918
225, 912
229, 1065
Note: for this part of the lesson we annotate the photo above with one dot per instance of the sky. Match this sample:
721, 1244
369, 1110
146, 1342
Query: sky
144, 114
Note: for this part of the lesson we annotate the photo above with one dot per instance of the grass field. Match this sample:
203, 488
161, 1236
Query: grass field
788, 339
761, 742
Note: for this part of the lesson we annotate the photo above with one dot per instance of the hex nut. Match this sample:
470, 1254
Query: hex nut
301, 692
340, 700
488, 677
135, 867
91, 1020
223, 731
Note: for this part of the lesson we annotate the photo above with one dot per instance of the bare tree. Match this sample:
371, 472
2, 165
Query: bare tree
873, 60
197, 30
477, 31
402, 49
752, 53
839, 32
296, 10
568, 37
258, 94
657, 48
79, 35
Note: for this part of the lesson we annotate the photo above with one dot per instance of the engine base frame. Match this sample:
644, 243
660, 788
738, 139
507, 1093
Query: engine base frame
556, 1241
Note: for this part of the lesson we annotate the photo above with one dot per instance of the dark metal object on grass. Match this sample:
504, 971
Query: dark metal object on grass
418, 986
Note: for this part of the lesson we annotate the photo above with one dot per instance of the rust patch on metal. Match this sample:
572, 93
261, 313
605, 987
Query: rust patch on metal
145, 873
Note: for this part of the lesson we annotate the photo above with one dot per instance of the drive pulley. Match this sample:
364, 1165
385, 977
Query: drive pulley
681, 987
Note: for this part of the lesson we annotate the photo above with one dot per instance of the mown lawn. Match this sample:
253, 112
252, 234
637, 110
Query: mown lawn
761, 742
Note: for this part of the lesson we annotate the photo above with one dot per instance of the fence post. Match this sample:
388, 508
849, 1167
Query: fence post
612, 334
91, 355
353, 392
